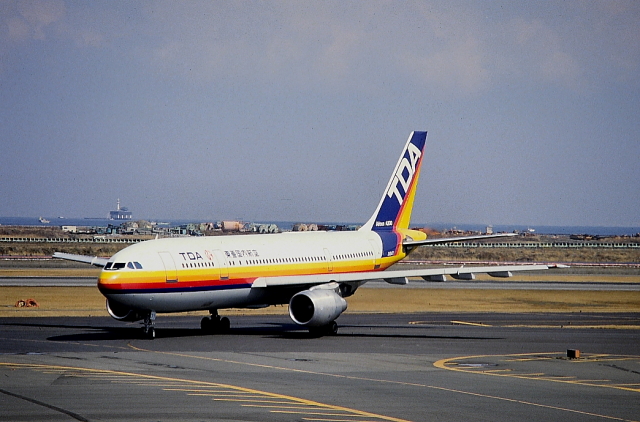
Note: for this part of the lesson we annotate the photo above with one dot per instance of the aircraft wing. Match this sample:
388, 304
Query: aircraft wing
93, 260
435, 241
399, 276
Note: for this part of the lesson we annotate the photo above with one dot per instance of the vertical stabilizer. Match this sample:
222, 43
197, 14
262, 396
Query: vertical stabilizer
394, 209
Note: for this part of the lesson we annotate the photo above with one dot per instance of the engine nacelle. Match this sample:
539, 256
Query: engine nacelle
122, 313
316, 308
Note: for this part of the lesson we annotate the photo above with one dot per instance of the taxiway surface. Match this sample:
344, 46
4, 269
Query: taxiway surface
401, 367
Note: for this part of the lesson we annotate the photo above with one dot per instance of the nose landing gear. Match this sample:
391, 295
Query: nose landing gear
148, 330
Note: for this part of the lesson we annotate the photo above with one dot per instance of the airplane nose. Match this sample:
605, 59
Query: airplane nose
108, 281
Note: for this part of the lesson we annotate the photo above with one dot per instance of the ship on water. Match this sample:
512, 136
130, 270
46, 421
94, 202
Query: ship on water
121, 213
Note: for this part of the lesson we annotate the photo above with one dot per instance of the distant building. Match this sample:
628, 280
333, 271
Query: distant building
120, 213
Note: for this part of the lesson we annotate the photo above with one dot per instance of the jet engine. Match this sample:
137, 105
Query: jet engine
316, 307
122, 313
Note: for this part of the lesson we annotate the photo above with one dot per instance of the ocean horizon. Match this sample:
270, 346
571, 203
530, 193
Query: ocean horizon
287, 225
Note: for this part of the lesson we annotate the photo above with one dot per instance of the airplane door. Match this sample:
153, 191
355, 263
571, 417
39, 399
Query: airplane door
169, 267
327, 257
376, 256
222, 264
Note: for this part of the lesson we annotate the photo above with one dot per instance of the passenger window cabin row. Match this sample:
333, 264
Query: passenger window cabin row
114, 266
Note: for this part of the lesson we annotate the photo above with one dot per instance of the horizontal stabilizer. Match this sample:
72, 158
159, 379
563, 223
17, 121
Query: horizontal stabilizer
439, 240
93, 260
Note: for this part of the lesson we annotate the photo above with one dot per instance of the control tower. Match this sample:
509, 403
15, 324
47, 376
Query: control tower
120, 213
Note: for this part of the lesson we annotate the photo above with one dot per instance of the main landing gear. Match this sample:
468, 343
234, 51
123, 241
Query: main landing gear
330, 329
215, 324
148, 330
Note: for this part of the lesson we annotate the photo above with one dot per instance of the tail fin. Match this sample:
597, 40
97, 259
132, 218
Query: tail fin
394, 209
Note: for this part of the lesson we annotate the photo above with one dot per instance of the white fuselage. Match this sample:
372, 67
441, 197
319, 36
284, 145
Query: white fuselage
181, 274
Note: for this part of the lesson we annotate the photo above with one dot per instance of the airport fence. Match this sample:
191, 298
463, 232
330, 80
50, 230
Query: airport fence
67, 240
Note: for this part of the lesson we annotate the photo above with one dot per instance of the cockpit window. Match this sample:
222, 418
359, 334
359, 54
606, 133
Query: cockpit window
114, 266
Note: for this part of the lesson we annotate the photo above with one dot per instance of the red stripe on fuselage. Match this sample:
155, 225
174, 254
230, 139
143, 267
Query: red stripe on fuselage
175, 286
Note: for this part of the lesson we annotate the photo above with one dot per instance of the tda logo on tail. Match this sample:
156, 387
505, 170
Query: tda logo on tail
401, 182
408, 164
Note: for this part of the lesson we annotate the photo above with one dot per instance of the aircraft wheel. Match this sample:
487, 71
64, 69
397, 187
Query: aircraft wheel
206, 325
330, 329
149, 333
316, 331
215, 325
224, 325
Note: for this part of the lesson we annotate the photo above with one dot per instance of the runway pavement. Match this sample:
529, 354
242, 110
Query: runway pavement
380, 367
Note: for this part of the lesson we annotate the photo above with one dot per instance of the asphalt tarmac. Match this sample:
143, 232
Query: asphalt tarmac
400, 367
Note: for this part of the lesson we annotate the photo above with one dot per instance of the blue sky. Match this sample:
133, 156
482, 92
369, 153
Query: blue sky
298, 110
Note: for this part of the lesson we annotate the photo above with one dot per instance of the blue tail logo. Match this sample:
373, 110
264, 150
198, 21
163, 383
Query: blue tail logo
401, 181
409, 164
394, 210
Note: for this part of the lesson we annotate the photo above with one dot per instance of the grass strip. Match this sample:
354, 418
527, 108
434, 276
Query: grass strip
87, 301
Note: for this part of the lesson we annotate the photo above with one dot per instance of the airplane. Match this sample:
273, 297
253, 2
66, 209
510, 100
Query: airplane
313, 272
